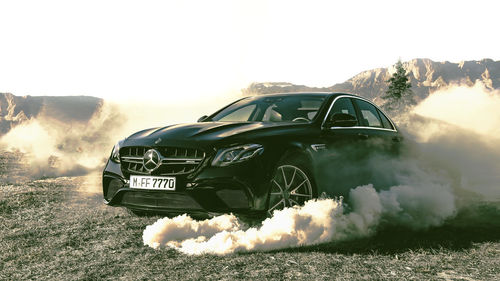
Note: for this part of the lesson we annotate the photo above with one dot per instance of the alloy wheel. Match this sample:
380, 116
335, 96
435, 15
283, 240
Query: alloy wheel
290, 186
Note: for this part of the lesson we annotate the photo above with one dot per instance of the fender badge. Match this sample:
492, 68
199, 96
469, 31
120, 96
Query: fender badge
158, 141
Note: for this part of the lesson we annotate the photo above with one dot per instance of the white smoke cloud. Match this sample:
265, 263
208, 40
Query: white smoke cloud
312, 223
473, 108
459, 135
318, 221
453, 161
55, 147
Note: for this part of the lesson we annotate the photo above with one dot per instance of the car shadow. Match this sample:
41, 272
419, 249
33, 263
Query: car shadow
473, 225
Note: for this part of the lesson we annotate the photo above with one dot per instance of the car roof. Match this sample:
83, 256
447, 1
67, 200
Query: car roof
325, 94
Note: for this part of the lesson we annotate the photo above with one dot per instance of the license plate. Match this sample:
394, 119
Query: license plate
150, 182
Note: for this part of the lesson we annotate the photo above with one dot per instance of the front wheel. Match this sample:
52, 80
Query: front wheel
291, 185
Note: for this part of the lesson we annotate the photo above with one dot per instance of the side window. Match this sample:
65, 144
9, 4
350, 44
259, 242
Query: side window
369, 114
343, 105
241, 114
385, 121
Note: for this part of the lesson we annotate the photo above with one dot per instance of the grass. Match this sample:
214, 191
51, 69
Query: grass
52, 229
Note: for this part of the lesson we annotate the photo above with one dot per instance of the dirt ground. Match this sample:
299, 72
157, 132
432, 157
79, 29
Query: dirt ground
59, 229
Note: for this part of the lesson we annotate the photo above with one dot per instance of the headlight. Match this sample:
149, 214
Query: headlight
115, 154
235, 154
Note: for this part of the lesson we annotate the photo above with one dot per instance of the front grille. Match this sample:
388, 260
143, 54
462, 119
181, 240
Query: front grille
174, 160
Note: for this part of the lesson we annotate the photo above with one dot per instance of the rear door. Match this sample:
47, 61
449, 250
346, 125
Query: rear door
340, 164
377, 129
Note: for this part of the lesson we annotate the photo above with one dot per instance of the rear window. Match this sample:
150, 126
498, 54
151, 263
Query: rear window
385, 121
369, 114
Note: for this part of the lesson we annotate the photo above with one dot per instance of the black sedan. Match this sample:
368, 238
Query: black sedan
253, 156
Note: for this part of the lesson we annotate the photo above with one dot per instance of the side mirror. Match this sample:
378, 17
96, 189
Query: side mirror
202, 118
341, 120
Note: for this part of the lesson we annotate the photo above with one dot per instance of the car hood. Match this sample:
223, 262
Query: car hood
203, 131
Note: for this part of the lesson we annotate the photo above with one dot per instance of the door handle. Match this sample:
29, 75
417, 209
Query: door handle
363, 136
396, 139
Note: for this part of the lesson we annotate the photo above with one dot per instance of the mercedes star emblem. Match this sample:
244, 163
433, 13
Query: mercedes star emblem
151, 160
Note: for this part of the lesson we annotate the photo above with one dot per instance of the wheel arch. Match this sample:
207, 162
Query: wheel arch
298, 151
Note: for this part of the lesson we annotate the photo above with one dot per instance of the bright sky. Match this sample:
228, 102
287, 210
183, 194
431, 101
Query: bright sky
189, 49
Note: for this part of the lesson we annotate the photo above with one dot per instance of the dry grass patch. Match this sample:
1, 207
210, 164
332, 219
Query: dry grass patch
52, 230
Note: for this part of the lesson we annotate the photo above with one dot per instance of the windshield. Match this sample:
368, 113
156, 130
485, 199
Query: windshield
294, 108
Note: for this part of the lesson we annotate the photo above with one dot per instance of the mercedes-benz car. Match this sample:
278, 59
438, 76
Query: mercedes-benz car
252, 157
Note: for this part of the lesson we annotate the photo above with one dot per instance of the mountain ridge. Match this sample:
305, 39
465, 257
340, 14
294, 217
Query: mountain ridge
425, 75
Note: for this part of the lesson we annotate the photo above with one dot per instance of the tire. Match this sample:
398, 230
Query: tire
292, 184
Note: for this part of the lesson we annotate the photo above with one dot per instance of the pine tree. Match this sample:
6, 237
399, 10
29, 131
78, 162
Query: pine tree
399, 96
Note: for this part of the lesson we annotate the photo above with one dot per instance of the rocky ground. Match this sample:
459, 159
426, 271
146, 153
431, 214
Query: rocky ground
58, 229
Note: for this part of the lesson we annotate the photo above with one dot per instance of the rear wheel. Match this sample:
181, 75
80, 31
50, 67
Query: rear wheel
291, 185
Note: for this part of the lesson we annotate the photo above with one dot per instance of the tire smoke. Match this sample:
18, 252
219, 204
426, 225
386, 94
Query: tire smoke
57, 146
318, 221
452, 161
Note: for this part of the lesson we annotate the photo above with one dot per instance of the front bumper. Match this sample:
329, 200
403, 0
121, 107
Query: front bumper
239, 188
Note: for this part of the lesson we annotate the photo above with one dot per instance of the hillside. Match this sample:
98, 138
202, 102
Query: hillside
15, 110
426, 76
